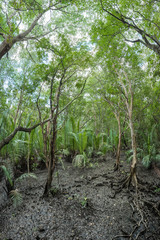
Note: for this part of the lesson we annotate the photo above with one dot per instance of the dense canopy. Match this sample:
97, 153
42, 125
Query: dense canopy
77, 78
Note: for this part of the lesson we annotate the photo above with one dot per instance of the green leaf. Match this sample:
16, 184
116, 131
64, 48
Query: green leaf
7, 175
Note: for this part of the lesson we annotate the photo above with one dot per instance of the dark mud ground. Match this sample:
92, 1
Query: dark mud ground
86, 206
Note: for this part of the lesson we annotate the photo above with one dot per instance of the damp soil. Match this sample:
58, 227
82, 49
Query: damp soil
85, 204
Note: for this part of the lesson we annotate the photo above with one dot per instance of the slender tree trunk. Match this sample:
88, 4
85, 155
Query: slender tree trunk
129, 105
54, 108
119, 143
28, 170
134, 160
45, 142
53, 133
52, 162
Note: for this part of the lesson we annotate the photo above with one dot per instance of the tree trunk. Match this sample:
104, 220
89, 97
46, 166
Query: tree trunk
45, 141
4, 48
119, 143
53, 129
28, 157
8, 43
49, 178
134, 160
51, 165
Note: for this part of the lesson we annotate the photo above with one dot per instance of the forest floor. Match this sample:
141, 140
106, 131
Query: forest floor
86, 204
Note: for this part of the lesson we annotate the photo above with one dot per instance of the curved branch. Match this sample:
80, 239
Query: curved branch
6, 140
9, 41
77, 96
129, 22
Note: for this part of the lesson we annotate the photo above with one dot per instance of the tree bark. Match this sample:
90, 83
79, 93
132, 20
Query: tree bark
134, 160
128, 93
5, 47
52, 161
119, 143
53, 132
28, 157
8, 42
53, 127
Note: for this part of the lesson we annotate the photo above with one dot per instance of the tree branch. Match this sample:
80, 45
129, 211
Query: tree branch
132, 25
6, 140
74, 97
9, 41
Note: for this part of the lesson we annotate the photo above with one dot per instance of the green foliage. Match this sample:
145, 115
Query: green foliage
146, 161
34, 166
87, 42
16, 197
85, 141
157, 190
104, 143
54, 191
80, 160
147, 155
150, 148
84, 202
73, 139
80, 141
7, 174
65, 152
26, 175
129, 154
105, 147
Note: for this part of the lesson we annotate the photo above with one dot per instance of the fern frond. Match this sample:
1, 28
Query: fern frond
16, 197
65, 152
146, 161
73, 136
7, 174
26, 175
105, 147
129, 152
78, 161
129, 159
82, 141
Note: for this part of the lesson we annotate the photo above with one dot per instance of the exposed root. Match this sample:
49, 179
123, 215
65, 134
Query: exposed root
140, 225
154, 206
125, 183
133, 233
116, 167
